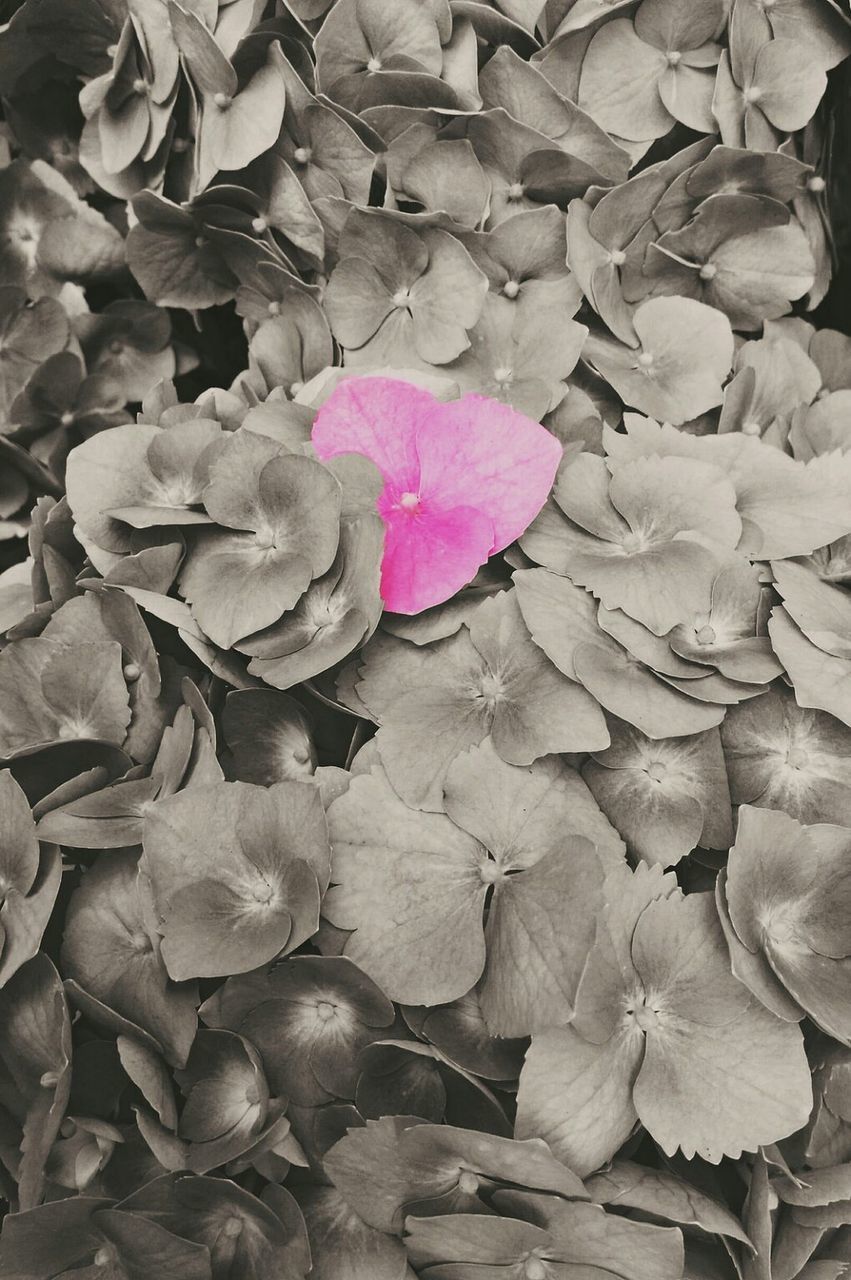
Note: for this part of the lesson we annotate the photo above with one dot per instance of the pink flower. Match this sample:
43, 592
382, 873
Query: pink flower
461, 480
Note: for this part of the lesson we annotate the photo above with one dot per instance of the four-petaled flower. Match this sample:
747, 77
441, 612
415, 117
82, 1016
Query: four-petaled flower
461, 479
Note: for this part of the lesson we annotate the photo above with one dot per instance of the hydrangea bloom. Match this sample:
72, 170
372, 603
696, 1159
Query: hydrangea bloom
461, 480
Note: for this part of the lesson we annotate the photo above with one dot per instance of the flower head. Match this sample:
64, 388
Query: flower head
461, 479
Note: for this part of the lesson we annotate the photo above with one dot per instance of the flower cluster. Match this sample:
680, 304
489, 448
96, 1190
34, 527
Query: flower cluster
425, 640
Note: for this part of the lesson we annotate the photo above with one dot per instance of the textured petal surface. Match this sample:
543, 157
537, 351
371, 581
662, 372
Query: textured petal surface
462, 480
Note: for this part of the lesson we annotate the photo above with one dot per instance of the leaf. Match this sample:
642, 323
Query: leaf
662, 379
263, 878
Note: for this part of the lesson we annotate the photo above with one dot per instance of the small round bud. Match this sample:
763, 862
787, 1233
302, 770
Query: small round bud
511, 288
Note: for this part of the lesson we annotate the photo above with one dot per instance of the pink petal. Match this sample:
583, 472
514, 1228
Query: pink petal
481, 453
431, 554
376, 417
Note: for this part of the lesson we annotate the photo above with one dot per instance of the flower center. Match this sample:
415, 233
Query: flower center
797, 758
374, 64
642, 1011
468, 1183
657, 770
325, 1010
491, 688
409, 502
401, 298
706, 635
634, 542
301, 155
